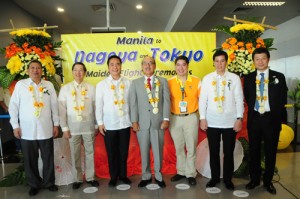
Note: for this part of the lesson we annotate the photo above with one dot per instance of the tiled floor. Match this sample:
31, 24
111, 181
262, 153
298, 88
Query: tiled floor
287, 185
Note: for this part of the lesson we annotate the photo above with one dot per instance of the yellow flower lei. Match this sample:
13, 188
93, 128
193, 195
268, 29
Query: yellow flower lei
119, 100
261, 99
79, 107
38, 105
219, 96
153, 100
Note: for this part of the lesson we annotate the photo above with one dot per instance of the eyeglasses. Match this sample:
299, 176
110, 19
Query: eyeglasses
147, 63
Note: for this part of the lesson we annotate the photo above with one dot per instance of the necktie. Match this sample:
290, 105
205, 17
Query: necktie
149, 83
261, 89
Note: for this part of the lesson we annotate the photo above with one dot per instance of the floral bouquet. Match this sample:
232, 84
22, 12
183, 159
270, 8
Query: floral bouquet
30, 45
244, 39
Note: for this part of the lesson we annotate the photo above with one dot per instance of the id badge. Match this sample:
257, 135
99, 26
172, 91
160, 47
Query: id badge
183, 106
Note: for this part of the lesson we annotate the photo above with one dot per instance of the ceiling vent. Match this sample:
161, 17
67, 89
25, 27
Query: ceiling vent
102, 7
242, 10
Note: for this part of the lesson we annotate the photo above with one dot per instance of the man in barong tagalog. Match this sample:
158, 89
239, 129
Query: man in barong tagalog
77, 120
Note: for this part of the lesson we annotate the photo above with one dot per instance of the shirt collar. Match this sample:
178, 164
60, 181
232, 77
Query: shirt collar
32, 82
111, 79
76, 84
149, 77
188, 79
266, 73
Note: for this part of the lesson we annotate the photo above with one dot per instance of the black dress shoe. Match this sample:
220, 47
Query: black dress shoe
53, 188
192, 181
252, 185
177, 177
229, 185
212, 183
94, 183
162, 183
33, 191
76, 185
125, 180
270, 188
112, 183
144, 183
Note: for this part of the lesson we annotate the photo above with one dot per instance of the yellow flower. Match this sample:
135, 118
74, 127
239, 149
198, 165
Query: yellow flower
30, 88
83, 93
112, 87
224, 82
222, 98
216, 99
266, 81
116, 102
122, 86
158, 83
23, 32
147, 86
73, 93
257, 81
41, 89
214, 83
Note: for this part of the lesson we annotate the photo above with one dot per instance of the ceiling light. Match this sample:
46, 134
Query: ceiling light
59, 9
262, 3
139, 6
139, 32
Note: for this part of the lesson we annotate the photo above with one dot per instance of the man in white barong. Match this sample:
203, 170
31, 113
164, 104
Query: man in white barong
112, 114
77, 120
34, 117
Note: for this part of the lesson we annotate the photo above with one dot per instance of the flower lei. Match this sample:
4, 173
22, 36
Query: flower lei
153, 100
78, 107
261, 99
219, 94
37, 105
119, 100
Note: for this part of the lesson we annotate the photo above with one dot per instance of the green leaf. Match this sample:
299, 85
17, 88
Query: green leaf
15, 178
6, 81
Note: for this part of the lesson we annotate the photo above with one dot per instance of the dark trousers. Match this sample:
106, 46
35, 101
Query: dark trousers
262, 129
117, 145
30, 150
214, 138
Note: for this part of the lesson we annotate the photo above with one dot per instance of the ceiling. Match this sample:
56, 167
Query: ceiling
156, 15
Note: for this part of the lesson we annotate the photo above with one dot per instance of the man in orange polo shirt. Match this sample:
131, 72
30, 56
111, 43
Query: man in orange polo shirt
184, 120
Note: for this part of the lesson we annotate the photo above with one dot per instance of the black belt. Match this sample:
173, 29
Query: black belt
183, 115
262, 114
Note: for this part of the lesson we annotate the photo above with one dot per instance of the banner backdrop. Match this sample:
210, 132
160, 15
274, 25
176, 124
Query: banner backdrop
94, 49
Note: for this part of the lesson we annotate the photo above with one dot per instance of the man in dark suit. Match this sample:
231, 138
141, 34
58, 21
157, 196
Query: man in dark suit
265, 92
149, 114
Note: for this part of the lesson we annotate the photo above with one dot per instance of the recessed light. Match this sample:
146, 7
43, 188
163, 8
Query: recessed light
59, 9
262, 3
139, 32
139, 6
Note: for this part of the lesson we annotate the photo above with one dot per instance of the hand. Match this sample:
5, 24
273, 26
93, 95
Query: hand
67, 134
55, 131
164, 125
102, 129
237, 125
203, 124
96, 131
17, 133
135, 126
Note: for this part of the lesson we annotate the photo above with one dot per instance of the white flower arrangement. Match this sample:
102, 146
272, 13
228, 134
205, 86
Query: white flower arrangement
241, 63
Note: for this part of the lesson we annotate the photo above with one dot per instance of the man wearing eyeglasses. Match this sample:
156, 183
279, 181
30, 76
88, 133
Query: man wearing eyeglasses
149, 114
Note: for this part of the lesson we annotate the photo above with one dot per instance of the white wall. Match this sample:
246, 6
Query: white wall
286, 58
